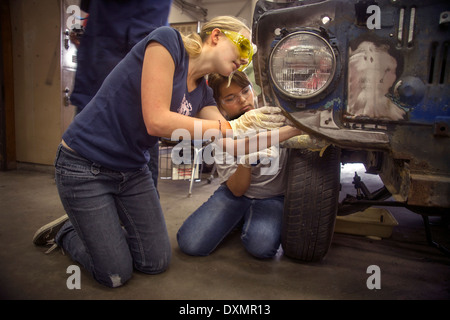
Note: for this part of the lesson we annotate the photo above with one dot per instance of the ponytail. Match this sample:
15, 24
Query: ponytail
194, 42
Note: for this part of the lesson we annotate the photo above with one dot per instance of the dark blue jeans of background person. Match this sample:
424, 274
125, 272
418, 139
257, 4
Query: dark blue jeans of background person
205, 229
116, 221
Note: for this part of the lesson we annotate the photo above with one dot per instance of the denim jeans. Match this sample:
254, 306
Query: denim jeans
205, 229
115, 219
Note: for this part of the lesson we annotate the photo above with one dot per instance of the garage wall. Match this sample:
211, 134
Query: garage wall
237, 8
35, 32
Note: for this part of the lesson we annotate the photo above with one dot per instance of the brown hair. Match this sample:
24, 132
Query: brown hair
216, 80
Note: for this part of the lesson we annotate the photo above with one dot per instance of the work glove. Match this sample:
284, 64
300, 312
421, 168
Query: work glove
261, 118
259, 157
305, 141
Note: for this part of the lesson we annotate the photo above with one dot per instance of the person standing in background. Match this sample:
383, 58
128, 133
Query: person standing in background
113, 28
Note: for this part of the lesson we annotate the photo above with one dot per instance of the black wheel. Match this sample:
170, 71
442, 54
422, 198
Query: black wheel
311, 203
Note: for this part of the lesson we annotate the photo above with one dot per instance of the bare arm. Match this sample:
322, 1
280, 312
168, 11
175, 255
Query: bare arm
261, 141
156, 92
240, 181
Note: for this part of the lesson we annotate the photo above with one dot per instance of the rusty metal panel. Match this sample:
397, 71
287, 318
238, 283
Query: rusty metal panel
431, 191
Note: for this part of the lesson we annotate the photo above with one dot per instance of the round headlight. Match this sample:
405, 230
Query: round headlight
302, 65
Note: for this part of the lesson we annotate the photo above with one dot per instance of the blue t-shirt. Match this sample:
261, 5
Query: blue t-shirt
114, 27
110, 131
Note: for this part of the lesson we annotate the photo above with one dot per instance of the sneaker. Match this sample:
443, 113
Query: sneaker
46, 234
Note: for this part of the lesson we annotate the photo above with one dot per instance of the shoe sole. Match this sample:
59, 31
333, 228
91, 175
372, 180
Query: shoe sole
39, 239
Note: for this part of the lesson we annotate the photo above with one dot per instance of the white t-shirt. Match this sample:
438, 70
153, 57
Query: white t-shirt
268, 180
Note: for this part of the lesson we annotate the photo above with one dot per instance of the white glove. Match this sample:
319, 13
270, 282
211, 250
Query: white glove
305, 141
260, 157
261, 118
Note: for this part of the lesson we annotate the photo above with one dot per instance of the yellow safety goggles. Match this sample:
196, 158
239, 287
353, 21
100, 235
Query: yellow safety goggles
243, 45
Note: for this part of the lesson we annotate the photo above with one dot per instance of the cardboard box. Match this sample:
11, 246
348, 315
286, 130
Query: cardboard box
375, 222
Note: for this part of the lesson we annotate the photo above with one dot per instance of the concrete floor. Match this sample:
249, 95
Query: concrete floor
409, 267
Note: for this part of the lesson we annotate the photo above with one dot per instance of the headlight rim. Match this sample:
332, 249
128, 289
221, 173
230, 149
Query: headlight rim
324, 87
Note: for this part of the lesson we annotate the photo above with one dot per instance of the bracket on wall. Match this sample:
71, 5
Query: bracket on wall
192, 10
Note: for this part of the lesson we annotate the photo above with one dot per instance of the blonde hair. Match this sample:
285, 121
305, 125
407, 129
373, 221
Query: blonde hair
194, 42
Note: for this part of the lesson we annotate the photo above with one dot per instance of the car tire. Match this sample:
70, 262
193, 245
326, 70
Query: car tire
311, 203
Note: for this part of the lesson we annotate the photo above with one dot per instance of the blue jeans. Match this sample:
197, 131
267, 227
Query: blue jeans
205, 229
115, 219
